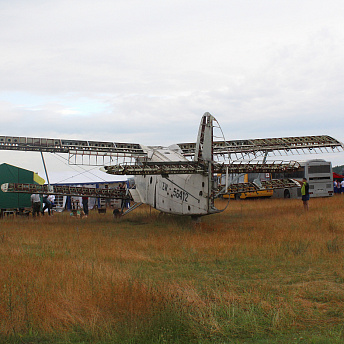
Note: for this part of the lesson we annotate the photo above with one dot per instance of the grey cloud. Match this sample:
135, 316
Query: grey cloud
262, 69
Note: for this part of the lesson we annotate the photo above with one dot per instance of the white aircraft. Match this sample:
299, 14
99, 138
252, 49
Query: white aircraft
178, 179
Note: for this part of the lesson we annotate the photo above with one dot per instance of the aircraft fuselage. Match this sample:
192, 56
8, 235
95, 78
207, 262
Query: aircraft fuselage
183, 194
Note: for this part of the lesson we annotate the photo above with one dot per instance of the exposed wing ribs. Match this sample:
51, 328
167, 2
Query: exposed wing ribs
157, 168
64, 190
312, 144
193, 167
77, 147
265, 185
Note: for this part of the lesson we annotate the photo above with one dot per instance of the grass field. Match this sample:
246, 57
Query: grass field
263, 271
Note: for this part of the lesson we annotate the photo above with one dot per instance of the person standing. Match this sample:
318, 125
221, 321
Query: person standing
85, 205
36, 204
51, 198
123, 189
342, 186
305, 193
47, 205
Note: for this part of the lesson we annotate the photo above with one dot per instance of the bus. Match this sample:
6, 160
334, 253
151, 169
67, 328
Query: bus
318, 173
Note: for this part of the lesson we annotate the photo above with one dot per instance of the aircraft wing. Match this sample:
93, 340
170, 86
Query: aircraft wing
198, 167
252, 186
64, 190
78, 147
309, 144
286, 145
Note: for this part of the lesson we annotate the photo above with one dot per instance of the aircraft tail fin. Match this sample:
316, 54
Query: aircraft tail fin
204, 144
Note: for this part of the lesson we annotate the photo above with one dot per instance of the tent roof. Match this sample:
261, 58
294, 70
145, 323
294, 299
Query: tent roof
336, 175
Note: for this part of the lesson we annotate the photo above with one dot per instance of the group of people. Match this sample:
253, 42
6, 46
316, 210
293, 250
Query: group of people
48, 201
125, 203
338, 186
41, 204
37, 208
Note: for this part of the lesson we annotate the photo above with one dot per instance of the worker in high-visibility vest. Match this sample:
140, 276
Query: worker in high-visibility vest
305, 193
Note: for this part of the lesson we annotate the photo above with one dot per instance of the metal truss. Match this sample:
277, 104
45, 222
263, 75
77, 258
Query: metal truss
158, 168
64, 190
264, 185
73, 147
287, 145
256, 167
114, 150
200, 167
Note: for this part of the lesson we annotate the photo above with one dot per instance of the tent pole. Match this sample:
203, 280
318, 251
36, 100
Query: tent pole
45, 170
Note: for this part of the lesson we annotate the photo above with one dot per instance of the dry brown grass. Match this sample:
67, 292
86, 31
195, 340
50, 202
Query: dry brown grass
261, 268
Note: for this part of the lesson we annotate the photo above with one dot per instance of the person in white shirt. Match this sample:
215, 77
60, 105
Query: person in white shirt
48, 203
342, 186
51, 198
36, 204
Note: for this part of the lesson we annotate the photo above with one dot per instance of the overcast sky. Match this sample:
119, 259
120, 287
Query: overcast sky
146, 71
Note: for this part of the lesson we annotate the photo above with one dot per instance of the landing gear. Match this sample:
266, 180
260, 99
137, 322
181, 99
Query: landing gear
196, 218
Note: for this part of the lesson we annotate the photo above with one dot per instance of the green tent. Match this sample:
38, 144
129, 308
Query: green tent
13, 174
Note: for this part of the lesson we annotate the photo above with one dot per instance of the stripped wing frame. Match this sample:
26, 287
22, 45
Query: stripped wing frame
283, 145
